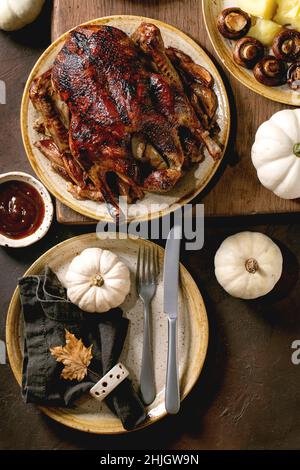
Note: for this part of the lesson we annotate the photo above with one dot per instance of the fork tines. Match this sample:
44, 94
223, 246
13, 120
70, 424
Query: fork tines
147, 270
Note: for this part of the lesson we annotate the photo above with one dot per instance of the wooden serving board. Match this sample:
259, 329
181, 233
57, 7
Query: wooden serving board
235, 189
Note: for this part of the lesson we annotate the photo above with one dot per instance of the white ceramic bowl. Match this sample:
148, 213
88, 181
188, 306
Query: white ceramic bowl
48, 216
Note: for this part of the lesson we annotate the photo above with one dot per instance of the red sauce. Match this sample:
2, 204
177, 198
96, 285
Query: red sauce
21, 209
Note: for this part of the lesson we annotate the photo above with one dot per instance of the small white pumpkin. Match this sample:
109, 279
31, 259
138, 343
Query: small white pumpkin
248, 265
97, 280
276, 153
15, 14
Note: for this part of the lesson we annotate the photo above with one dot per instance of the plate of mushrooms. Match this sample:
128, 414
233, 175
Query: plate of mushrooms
259, 43
125, 106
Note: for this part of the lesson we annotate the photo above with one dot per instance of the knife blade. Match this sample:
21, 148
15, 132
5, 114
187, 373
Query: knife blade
171, 287
171, 271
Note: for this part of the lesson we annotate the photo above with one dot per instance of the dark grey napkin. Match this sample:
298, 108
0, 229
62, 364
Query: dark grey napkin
47, 313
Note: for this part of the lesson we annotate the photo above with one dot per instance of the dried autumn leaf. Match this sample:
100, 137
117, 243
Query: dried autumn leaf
74, 356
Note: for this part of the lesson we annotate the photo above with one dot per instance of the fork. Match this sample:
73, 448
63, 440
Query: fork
147, 272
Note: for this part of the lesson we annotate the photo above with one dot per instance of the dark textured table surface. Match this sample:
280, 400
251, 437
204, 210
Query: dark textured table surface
248, 395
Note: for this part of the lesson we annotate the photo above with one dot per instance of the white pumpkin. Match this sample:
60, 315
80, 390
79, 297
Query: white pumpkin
248, 265
276, 153
97, 280
15, 14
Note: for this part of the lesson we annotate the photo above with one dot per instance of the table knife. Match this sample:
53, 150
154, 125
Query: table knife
171, 281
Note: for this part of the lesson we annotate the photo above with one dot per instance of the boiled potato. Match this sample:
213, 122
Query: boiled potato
296, 24
288, 9
264, 31
262, 8
288, 13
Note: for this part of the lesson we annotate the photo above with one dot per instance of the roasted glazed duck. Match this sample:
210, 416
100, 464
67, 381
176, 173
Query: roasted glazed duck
120, 116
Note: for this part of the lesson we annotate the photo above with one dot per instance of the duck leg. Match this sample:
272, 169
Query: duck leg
148, 38
41, 97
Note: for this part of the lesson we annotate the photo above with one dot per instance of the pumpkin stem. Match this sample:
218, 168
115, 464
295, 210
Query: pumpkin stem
251, 265
97, 281
296, 150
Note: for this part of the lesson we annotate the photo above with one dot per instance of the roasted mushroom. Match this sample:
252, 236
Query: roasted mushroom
293, 76
270, 71
233, 23
248, 51
286, 45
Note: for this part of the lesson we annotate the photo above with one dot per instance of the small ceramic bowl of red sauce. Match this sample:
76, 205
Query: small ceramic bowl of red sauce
26, 210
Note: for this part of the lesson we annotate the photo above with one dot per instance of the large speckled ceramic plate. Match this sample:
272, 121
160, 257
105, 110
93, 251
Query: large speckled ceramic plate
88, 415
187, 188
224, 48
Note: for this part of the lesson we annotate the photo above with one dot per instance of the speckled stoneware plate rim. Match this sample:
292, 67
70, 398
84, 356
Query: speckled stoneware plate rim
191, 357
210, 9
175, 200
48, 216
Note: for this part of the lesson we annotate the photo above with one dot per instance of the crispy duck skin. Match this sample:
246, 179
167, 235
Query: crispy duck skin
51, 152
104, 90
199, 85
199, 110
74, 170
62, 163
109, 92
100, 76
207, 99
194, 71
85, 193
55, 146
148, 38
163, 180
40, 95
